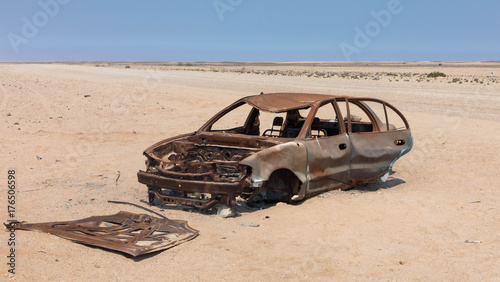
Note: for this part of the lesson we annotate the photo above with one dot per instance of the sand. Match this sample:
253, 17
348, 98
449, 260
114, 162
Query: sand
69, 130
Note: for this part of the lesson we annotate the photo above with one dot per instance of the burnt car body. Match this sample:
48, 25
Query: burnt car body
281, 146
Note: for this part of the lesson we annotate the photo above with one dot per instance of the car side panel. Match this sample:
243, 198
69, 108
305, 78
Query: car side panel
373, 154
328, 159
291, 155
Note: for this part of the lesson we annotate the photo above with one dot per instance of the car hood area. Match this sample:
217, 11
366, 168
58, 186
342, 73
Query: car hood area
205, 156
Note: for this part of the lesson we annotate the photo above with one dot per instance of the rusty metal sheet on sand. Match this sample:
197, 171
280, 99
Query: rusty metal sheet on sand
134, 234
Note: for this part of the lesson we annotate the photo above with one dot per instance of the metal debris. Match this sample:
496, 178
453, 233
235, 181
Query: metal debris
130, 233
249, 224
118, 177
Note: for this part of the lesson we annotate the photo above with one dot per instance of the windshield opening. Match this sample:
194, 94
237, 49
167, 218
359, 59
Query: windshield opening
248, 120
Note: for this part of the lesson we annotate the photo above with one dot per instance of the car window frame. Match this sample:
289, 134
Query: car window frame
305, 133
374, 118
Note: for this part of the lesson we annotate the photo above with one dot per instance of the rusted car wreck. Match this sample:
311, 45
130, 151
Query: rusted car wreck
278, 146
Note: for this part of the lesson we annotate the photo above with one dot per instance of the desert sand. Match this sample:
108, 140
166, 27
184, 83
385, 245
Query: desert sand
69, 130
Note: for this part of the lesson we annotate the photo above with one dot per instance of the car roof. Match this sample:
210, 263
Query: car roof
282, 102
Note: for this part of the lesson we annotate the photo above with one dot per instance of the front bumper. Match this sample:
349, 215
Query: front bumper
190, 186
221, 192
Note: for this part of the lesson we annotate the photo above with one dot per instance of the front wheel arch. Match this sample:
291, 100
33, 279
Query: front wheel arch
284, 184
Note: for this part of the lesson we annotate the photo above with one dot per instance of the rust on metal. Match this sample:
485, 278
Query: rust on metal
285, 147
130, 233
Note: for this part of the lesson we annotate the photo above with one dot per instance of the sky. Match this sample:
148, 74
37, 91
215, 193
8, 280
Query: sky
249, 30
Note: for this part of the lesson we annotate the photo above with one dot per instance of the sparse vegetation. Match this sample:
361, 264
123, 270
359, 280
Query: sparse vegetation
326, 73
436, 74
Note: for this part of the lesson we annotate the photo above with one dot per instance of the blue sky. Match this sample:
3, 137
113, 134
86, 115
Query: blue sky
249, 30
